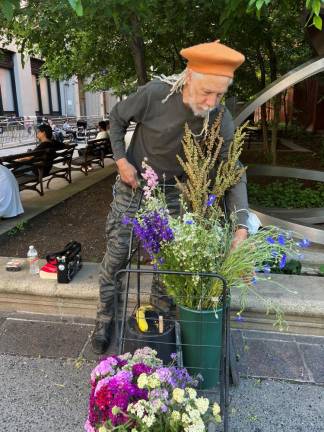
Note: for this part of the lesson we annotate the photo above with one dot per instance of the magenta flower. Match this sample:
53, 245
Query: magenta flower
140, 368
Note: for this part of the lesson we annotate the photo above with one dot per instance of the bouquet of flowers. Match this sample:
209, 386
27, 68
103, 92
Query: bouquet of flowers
137, 393
200, 238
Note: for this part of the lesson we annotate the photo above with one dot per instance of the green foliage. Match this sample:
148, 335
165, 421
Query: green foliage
286, 194
292, 266
20, 227
259, 7
77, 6
321, 269
8, 7
105, 39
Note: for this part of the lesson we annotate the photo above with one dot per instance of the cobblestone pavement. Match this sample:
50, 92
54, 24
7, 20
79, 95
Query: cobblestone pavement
45, 364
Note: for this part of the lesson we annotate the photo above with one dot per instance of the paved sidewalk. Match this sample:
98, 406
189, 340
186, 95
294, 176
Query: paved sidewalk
45, 364
259, 354
59, 190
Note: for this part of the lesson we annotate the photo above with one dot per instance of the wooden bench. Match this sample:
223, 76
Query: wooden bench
28, 167
64, 158
94, 153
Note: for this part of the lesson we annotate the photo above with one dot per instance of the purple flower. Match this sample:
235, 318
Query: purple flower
164, 374
179, 378
211, 200
270, 240
239, 318
140, 368
152, 230
164, 408
304, 243
120, 380
173, 356
266, 268
189, 222
160, 393
281, 240
283, 261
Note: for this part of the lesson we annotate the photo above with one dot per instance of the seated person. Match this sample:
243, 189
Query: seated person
103, 133
10, 203
45, 136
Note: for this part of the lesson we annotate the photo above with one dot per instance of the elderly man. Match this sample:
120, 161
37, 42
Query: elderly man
161, 108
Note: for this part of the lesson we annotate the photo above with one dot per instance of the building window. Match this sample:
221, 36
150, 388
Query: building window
8, 102
46, 92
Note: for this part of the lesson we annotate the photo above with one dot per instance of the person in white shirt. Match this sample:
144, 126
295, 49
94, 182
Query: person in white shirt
10, 203
103, 133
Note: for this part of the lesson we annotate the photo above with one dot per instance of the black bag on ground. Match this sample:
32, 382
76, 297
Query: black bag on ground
69, 261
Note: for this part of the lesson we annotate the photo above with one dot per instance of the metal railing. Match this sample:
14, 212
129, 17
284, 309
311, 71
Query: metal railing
21, 131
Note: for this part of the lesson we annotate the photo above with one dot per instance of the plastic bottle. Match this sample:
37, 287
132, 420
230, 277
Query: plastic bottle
32, 258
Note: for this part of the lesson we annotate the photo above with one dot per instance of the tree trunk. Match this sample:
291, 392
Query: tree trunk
82, 101
138, 51
275, 125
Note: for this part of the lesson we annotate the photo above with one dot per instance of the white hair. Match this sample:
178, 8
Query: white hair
199, 75
177, 82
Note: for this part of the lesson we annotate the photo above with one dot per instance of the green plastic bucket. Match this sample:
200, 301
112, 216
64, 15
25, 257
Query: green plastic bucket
201, 339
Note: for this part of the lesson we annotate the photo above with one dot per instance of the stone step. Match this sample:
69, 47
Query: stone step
300, 297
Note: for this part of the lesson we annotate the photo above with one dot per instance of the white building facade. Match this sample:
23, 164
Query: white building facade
25, 93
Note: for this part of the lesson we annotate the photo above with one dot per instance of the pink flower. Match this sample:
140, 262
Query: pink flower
151, 178
88, 427
105, 367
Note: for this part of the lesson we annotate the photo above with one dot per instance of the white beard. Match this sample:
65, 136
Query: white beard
199, 112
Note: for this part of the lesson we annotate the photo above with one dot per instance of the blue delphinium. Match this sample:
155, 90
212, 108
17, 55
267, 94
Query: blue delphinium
211, 200
151, 230
283, 261
281, 239
270, 240
305, 243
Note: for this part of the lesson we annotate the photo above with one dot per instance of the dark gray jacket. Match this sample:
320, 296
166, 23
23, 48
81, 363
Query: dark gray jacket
158, 136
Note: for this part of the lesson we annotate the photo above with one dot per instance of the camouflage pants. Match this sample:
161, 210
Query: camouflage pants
126, 203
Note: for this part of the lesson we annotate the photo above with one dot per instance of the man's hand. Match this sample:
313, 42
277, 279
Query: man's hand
240, 235
128, 173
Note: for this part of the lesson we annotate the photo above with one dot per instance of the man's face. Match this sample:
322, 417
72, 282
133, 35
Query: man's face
205, 91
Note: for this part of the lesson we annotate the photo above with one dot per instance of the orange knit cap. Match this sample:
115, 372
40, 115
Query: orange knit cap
213, 58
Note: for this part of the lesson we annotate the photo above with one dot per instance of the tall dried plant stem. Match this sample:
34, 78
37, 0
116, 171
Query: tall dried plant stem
200, 160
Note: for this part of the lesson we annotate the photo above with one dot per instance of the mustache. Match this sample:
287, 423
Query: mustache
203, 113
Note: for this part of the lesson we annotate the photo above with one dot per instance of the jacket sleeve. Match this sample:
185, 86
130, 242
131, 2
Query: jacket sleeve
236, 199
132, 109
